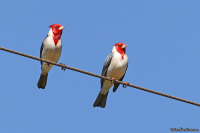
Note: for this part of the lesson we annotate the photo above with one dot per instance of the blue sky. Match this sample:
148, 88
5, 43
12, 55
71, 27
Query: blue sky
163, 50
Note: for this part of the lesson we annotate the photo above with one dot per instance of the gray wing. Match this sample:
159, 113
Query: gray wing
41, 49
105, 67
116, 85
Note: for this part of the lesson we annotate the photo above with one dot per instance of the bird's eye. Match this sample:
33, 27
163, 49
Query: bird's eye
56, 27
119, 45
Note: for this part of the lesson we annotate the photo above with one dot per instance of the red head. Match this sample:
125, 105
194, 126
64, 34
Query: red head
57, 32
121, 48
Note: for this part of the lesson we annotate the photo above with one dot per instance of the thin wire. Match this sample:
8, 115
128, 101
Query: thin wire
95, 75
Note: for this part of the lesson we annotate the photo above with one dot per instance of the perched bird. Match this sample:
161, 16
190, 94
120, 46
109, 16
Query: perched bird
50, 50
115, 67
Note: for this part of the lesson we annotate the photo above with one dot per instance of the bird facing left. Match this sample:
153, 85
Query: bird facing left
50, 50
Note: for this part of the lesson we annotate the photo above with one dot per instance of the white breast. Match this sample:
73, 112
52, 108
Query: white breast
50, 51
117, 66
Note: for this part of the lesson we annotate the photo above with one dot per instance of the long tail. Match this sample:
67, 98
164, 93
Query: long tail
42, 81
101, 100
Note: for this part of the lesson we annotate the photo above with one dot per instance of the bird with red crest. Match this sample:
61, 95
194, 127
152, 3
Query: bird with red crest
51, 51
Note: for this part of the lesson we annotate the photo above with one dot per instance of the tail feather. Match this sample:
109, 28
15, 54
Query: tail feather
101, 100
42, 81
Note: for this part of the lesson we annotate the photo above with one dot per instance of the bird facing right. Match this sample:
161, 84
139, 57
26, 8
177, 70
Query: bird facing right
50, 50
115, 67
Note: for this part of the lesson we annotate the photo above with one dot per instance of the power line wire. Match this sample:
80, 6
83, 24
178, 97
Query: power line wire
95, 75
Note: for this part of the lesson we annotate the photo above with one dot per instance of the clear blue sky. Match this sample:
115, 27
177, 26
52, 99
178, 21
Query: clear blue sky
163, 49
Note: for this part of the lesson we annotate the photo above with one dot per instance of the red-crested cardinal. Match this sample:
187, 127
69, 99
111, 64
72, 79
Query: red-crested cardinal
115, 67
50, 50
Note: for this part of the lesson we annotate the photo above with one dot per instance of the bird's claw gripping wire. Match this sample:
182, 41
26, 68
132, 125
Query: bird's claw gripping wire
112, 79
63, 66
48, 62
126, 83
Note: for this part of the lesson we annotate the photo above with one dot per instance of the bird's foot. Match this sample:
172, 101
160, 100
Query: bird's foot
112, 79
126, 83
48, 62
63, 66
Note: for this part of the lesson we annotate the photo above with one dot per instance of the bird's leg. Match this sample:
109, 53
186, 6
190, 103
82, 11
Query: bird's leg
126, 83
112, 79
48, 61
63, 66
